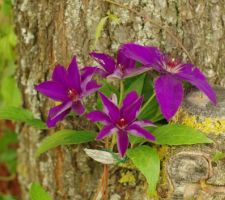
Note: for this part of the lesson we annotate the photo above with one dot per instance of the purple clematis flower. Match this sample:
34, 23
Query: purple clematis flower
67, 87
168, 86
121, 120
122, 68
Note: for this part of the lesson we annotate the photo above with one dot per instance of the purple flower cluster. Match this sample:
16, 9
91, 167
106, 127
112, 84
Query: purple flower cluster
70, 86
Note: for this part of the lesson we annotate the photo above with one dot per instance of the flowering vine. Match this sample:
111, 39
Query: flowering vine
125, 113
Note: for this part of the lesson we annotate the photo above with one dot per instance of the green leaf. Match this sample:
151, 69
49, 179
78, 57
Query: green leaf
7, 138
151, 109
7, 197
21, 115
140, 140
174, 134
218, 156
148, 87
65, 137
9, 158
100, 28
134, 83
10, 93
147, 161
6, 7
38, 193
106, 89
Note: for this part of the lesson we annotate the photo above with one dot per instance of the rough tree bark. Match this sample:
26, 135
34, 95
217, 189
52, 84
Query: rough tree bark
50, 32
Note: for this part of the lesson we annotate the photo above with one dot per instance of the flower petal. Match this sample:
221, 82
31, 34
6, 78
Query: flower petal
89, 71
110, 108
124, 61
74, 75
169, 94
130, 72
58, 113
53, 90
129, 99
144, 123
136, 130
59, 74
149, 56
117, 74
130, 113
106, 131
122, 142
98, 116
78, 107
105, 61
91, 87
193, 75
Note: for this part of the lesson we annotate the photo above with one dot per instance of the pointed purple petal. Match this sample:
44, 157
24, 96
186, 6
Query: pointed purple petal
106, 131
59, 74
74, 75
78, 107
169, 94
91, 87
58, 113
89, 71
144, 123
129, 99
149, 56
124, 61
135, 71
53, 90
136, 130
193, 75
105, 61
98, 116
110, 108
122, 142
131, 112
117, 74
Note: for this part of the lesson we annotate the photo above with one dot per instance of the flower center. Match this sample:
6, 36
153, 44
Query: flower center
121, 123
73, 94
172, 63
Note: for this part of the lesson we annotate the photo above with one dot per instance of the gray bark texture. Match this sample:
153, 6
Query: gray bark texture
50, 32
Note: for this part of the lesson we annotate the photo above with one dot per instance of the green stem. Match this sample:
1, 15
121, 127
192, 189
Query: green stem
121, 92
146, 104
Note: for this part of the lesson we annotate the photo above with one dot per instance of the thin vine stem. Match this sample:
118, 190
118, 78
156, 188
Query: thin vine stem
146, 104
121, 92
157, 24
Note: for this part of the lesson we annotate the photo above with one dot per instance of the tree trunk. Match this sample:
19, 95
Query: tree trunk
50, 32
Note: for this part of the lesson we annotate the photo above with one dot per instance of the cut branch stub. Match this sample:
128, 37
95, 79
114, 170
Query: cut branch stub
191, 170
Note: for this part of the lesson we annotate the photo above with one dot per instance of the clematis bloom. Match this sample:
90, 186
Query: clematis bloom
121, 120
69, 88
168, 86
122, 68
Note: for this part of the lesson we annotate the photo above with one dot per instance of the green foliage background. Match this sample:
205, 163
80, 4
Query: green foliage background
9, 92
